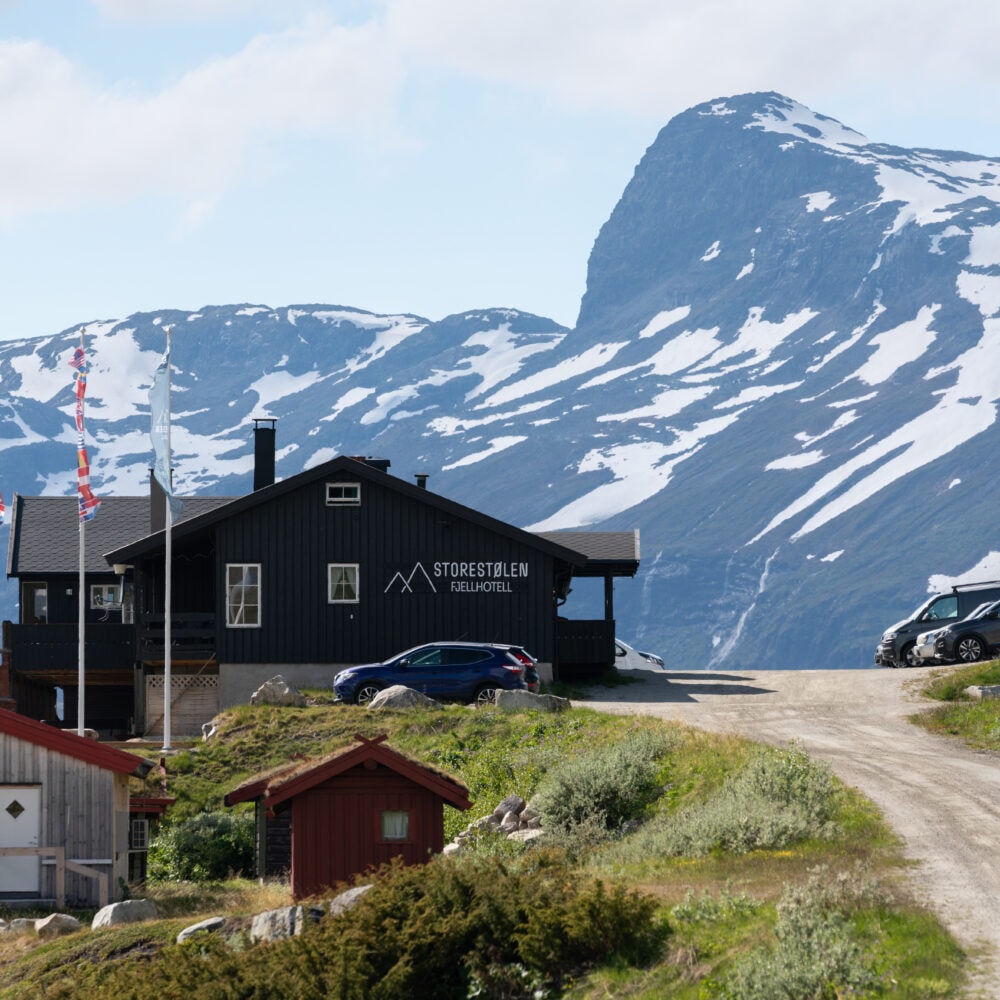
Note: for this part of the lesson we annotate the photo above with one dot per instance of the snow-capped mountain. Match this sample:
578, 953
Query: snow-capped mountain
785, 373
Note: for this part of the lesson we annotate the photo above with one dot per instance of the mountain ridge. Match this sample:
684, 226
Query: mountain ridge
783, 372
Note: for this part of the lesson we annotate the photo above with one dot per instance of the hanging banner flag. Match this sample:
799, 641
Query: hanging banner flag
88, 502
3, 509
159, 432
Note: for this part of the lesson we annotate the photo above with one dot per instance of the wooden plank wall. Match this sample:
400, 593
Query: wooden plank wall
84, 810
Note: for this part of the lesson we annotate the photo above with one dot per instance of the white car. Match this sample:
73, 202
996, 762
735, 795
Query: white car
922, 653
627, 658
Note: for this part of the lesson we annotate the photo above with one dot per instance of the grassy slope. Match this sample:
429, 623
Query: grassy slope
719, 906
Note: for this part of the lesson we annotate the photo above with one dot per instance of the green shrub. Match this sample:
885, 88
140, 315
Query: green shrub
816, 954
206, 847
476, 927
780, 797
601, 789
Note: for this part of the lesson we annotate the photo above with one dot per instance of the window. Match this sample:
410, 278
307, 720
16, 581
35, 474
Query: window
34, 603
343, 583
242, 595
395, 824
343, 494
139, 835
104, 594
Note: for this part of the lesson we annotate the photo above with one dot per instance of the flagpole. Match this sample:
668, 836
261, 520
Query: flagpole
81, 639
167, 573
81, 592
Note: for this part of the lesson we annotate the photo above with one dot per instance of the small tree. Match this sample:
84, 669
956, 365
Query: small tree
207, 847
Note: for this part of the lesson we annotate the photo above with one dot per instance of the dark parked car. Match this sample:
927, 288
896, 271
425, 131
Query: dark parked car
454, 671
939, 611
970, 640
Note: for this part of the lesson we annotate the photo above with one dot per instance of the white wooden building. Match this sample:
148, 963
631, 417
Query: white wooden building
64, 814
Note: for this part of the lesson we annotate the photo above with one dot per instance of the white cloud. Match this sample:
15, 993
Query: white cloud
74, 132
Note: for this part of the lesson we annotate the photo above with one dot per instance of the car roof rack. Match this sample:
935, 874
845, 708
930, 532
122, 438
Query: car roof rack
974, 586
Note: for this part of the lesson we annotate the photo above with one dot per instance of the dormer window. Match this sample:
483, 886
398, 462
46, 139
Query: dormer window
343, 494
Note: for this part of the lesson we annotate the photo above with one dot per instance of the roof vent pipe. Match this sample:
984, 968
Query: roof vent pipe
422, 480
263, 452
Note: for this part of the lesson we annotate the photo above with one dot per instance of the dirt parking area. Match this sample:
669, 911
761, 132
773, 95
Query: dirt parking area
942, 798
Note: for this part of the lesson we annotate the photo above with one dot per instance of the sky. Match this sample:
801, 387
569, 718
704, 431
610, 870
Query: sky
405, 156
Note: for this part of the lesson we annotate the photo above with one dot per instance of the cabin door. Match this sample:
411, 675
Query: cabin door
20, 826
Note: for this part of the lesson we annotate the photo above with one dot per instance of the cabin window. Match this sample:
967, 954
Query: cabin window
139, 835
343, 583
34, 603
343, 494
395, 824
103, 595
242, 595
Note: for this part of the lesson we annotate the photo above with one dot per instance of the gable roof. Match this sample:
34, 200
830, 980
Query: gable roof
45, 531
71, 745
357, 470
614, 551
285, 782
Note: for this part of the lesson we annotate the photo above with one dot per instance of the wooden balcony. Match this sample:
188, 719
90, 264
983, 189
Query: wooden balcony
192, 639
50, 653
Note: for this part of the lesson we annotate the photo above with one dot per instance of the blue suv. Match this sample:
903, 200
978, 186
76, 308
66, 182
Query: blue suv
455, 671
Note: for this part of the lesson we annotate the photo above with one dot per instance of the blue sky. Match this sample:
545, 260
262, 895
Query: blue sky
422, 156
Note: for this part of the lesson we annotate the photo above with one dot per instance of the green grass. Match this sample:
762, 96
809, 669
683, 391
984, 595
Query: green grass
720, 907
975, 721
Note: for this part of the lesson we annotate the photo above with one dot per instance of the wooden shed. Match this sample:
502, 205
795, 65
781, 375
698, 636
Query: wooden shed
353, 810
64, 814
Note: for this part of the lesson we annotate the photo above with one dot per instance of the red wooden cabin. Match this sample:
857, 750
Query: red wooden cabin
355, 809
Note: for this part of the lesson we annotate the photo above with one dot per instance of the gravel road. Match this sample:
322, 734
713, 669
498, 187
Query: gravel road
941, 798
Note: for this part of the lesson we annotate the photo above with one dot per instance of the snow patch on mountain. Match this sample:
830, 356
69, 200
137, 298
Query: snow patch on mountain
596, 357
898, 347
986, 570
496, 445
662, 320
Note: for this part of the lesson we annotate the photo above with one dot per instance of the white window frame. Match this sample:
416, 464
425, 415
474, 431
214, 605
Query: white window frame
343, 494
103, 595
332, 585
236, 611
139, 835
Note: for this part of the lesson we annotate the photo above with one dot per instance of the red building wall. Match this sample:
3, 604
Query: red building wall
336, 827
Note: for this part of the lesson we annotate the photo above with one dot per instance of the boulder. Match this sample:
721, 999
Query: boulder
983, 691
56, 924
513, 803
399, 696
203, 927
347, 899
277, 691
128, 911
522, 701
525, 834
287, 921
21, 925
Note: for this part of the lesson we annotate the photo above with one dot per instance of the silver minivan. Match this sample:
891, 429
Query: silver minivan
898, 641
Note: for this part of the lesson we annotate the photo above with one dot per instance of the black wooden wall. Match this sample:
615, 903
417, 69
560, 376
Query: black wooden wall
502, 592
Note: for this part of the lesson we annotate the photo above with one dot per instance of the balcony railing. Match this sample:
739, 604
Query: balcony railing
55, 649
192, 638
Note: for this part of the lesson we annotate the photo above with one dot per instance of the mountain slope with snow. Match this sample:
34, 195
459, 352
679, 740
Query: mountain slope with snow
785, 372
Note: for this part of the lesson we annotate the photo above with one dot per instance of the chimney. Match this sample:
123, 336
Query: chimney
263, 452
421, 478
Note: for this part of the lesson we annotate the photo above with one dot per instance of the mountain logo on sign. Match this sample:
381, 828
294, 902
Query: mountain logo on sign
417, 581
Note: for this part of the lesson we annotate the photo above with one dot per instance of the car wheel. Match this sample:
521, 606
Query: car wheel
970, 648
365, 693
485, 696
909, 658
